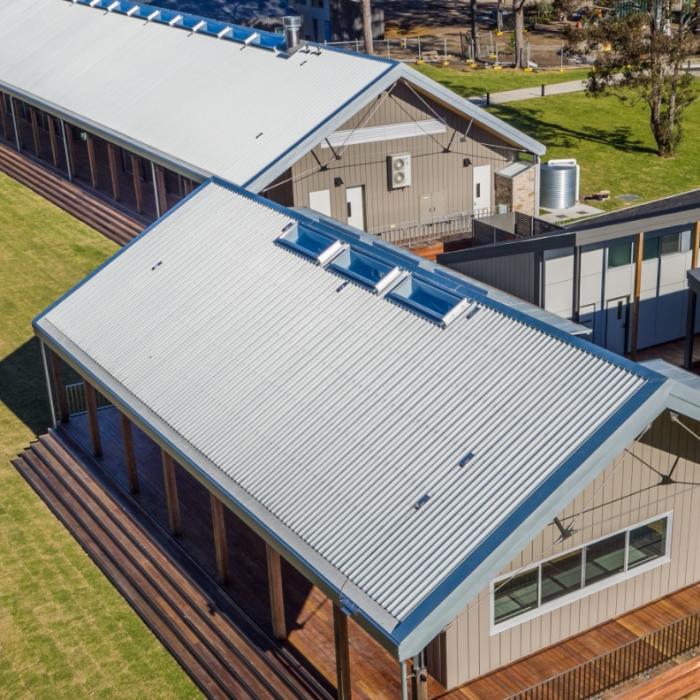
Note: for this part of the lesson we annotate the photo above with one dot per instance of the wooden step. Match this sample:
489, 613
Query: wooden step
78, 201
70, 197
222, 658
224, 638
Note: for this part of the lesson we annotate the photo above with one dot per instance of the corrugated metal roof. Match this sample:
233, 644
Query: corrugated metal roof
220, 108
331, 409
202, 105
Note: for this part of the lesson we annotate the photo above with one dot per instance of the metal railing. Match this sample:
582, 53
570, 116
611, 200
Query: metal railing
453, 226
619, 665
75, 395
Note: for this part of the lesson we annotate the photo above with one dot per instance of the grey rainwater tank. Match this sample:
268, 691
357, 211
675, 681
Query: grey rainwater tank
559, 184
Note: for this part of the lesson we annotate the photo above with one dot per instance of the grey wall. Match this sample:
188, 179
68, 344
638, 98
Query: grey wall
433, 171
514, 274
624, 494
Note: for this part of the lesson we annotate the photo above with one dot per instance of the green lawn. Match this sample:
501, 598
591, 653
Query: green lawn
612, 142
470, 82
610, 139
64, 630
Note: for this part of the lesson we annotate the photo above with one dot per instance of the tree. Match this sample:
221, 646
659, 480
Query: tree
519, 34
643, 59
367, 26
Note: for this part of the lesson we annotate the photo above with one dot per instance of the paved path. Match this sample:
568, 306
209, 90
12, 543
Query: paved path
497, 98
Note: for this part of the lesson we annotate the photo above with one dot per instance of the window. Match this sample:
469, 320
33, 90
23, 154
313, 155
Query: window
620, 254
551, 582
651, 248
647, 542
561, 576
670, 244
605, 558
516, 595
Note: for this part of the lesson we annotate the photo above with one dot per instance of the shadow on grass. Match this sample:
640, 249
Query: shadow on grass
556, 135
22, 386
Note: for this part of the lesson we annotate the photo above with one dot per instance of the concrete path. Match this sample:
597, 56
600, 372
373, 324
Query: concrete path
497, 98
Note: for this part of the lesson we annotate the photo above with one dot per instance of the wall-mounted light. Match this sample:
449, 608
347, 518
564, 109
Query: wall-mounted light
338, 181
466, 162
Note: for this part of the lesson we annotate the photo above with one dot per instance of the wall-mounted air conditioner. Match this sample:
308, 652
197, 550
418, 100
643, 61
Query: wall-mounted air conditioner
399, 171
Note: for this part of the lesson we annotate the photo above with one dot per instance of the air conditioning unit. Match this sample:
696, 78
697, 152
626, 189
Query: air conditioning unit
399, 171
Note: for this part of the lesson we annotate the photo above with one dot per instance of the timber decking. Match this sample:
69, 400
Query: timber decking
678, 682
568, 654
74, 199
375, 674
226, 654
671, 352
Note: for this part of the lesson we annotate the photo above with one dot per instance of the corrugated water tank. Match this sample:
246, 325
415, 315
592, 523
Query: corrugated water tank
559, 182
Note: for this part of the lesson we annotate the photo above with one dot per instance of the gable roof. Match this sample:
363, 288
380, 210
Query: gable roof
397, 461
199, 104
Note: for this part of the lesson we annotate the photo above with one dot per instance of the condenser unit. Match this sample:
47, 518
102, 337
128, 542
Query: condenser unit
399, 171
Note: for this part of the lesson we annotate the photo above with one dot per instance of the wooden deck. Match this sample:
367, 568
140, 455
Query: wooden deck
574, 651
76, 200
226, 654
672, 352
375, 674
309, 644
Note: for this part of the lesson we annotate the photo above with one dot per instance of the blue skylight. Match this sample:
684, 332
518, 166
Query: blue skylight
428, 300
364, 269
311, 244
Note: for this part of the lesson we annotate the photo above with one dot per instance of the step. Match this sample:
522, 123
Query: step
72, 195
243, 661
174, 587
132, 594
81, 209
229, 629
84, 205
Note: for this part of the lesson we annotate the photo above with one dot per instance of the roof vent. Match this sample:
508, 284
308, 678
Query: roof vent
428, 300
366, 270
292, 32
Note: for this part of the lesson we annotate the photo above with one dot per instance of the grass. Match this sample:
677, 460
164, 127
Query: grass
65, 632
471, 82
612, 142
609, 138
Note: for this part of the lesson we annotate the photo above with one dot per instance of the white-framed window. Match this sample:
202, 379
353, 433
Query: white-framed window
551, 583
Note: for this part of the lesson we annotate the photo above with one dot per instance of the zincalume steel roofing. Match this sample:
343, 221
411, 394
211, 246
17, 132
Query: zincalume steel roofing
202, 97
396, 432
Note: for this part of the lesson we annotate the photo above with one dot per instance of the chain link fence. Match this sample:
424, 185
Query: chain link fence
492, 48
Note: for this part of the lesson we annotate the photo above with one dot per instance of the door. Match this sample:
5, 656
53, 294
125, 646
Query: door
355, 197
320, 201
481, 196
432, 207
617, 314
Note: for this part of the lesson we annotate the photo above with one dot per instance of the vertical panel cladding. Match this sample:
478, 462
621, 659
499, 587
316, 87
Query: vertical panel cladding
434, 169
514, 274
625, 493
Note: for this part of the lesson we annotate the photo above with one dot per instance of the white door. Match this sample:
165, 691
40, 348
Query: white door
320, 201
482, 187
356, 206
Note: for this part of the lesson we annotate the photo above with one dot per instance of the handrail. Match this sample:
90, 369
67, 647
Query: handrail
457, 224
614, 667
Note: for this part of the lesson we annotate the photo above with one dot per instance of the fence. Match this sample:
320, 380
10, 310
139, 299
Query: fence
621, 664
491, 48
75, 394
454, 226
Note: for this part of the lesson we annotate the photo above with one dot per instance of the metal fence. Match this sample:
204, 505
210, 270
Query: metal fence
609, 670
75, 394
452, 227
492, 48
